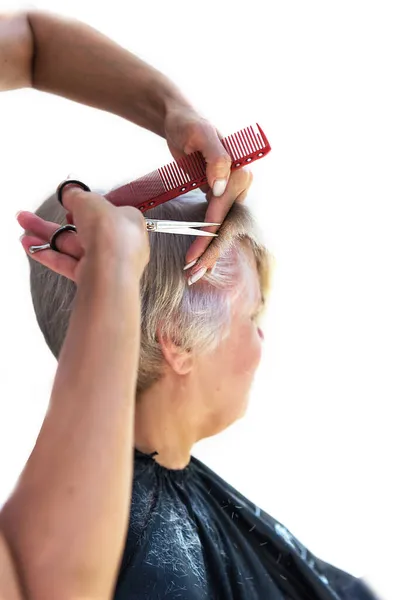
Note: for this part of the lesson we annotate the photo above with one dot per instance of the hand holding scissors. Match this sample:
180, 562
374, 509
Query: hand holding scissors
96, 219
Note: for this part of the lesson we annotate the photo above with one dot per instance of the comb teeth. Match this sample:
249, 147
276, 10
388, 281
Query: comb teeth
245, 143
181, 173
189, 172
188, 168
252, 138
242, 143
172, 176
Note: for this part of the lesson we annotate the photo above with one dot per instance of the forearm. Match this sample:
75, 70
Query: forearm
16, 51
70, 59
10, 588
75, 61
67, 520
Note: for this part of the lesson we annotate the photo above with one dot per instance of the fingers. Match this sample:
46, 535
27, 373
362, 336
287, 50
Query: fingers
218, 161
38, 232
205, 189
78, 201
68, 192
186, 132
59, 263
90, 212
210, 255
218, 208
67, 243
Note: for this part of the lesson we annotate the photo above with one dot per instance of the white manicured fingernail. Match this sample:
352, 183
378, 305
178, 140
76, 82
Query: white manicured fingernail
191, 264
219, 187
196, 276
213, 269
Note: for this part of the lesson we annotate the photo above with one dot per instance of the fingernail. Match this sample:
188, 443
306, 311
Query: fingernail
196, 276
213, 269
21, 236
219, 187
18, 213
191, 264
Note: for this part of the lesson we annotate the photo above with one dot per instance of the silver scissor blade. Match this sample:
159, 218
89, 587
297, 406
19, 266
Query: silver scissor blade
186, 231
163, 224
195, 224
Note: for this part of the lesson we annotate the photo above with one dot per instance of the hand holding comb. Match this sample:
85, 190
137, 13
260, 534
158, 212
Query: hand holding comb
188, 173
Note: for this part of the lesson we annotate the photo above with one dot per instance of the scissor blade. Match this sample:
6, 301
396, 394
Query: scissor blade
187, 231
176, 224
195, 224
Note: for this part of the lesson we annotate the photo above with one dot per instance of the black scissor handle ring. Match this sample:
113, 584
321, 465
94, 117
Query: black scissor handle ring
62, 185
58, 231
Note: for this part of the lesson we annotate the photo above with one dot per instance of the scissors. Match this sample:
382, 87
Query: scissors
154, 225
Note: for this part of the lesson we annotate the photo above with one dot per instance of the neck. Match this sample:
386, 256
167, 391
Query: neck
166, 422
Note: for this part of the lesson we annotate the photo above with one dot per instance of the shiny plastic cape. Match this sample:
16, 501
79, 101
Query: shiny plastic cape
193, 537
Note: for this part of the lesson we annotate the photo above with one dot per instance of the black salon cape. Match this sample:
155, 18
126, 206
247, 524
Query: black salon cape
192, 537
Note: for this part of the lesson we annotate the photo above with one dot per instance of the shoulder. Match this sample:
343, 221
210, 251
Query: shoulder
348, 586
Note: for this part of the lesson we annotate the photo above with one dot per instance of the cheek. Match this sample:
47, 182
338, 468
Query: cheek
248, 350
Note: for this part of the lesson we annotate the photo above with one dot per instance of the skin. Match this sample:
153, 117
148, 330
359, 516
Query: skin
65, 262
68, 58
201, 395
10, 587
56, 55
81, 466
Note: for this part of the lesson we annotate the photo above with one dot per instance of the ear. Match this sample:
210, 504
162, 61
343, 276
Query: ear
180, 360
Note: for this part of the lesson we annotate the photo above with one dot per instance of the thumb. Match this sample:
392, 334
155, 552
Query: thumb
76, 199
69, 195
67, 192
218, 162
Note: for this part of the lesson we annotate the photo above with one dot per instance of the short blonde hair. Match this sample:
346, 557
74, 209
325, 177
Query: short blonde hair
196, 317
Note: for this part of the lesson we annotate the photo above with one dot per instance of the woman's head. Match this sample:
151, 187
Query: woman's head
208, 330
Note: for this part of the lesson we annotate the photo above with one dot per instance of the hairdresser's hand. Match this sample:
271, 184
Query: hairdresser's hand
186, 132
103, 232
218, 208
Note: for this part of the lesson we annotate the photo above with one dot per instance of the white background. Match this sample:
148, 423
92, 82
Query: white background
319, 447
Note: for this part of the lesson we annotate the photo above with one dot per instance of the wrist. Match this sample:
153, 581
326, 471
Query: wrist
176, 104
160, 99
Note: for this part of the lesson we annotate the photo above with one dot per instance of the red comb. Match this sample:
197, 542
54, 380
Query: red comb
188, 173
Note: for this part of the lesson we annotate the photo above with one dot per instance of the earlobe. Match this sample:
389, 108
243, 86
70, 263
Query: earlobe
179, 359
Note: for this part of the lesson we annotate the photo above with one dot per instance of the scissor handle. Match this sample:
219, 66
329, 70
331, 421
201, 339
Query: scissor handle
62, 185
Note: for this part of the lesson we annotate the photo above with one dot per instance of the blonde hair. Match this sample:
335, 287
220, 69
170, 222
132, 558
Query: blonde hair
195, 317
